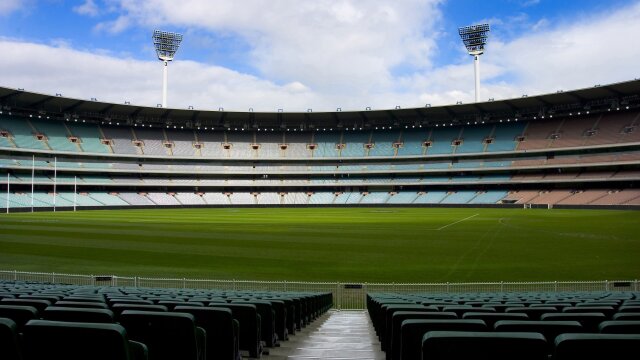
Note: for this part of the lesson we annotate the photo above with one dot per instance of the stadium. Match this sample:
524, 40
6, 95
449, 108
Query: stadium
497, 229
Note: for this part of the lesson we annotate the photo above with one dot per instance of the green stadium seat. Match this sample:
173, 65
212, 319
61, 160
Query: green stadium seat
413, 331
267, 321
400, 316
19, 314
56, 313
387, 312
491, 318
50, 298
533, 313
620, 327
608, 311
168, 336
9, 348
626, 316
589, 321
222, 330
450, 345
131, 301
171, 304
119, 308
39, 304
43, 339
280, 309
250, 327
549, 329
81, 304
629, 309
597, 347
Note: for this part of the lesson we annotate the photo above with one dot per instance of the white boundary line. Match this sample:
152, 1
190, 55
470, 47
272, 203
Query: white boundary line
453, 223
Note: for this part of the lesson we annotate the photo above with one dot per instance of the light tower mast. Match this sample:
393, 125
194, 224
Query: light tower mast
474, 38
166, 44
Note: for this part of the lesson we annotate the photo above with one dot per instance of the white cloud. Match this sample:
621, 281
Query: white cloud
88, 8
321, 43
9, 6
591, 50
343, 56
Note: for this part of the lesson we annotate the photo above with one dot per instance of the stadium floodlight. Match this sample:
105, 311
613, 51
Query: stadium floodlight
474, 38
166, 44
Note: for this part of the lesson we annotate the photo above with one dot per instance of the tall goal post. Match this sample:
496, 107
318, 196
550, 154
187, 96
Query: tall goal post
475, 38
166, 44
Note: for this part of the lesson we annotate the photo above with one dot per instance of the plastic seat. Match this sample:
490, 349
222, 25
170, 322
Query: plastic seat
626, 316
19, 314
396, 324
39, 304
385, 326
450, 345
81, 304
249, 320
9, 349
56, 313
620, 327
119, 308
597, 347
267, 322
413, 331
589, 321
221, 328
43, 339
549, 329
491, 318
168, 336
533, 313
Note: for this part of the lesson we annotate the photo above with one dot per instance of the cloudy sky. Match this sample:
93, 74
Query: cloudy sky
314, 54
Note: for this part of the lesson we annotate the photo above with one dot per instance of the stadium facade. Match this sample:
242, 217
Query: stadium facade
573, 148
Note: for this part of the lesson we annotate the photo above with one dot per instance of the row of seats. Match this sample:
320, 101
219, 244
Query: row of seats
508, 136
506, 326
78, 322
471, 197
308, 167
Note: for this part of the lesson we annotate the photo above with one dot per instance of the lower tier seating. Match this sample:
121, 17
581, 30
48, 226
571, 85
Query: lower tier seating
559, 325
93, 322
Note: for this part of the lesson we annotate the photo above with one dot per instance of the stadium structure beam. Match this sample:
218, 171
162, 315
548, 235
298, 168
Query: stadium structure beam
73, 106
474, 38
41, 102
106, 109
166, 44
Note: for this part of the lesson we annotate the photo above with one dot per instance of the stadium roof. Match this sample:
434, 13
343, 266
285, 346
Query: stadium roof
597, 98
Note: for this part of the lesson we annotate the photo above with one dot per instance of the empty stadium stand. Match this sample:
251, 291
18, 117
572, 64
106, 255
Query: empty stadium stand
561, 155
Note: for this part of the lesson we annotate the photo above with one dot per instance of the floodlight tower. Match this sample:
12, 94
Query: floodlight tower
474, 38
166, 44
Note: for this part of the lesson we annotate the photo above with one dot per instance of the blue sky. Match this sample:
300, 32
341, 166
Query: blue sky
321, 54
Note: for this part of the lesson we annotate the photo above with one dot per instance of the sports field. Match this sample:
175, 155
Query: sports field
315, 244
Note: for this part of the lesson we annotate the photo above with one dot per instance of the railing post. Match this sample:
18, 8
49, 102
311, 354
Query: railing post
285, 285
606, 285
555, 286
53, 277
501, 286
234, 285
448, 289
184, 283
135, 281
15, 275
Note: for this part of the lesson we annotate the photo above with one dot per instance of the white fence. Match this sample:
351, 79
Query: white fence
345, 295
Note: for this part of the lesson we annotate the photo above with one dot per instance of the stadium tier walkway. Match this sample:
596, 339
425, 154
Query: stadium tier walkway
335, 335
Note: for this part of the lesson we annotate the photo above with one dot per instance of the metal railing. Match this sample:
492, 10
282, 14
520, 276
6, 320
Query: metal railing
345, 295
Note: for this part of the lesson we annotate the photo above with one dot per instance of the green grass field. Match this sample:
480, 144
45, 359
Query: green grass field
316, 244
